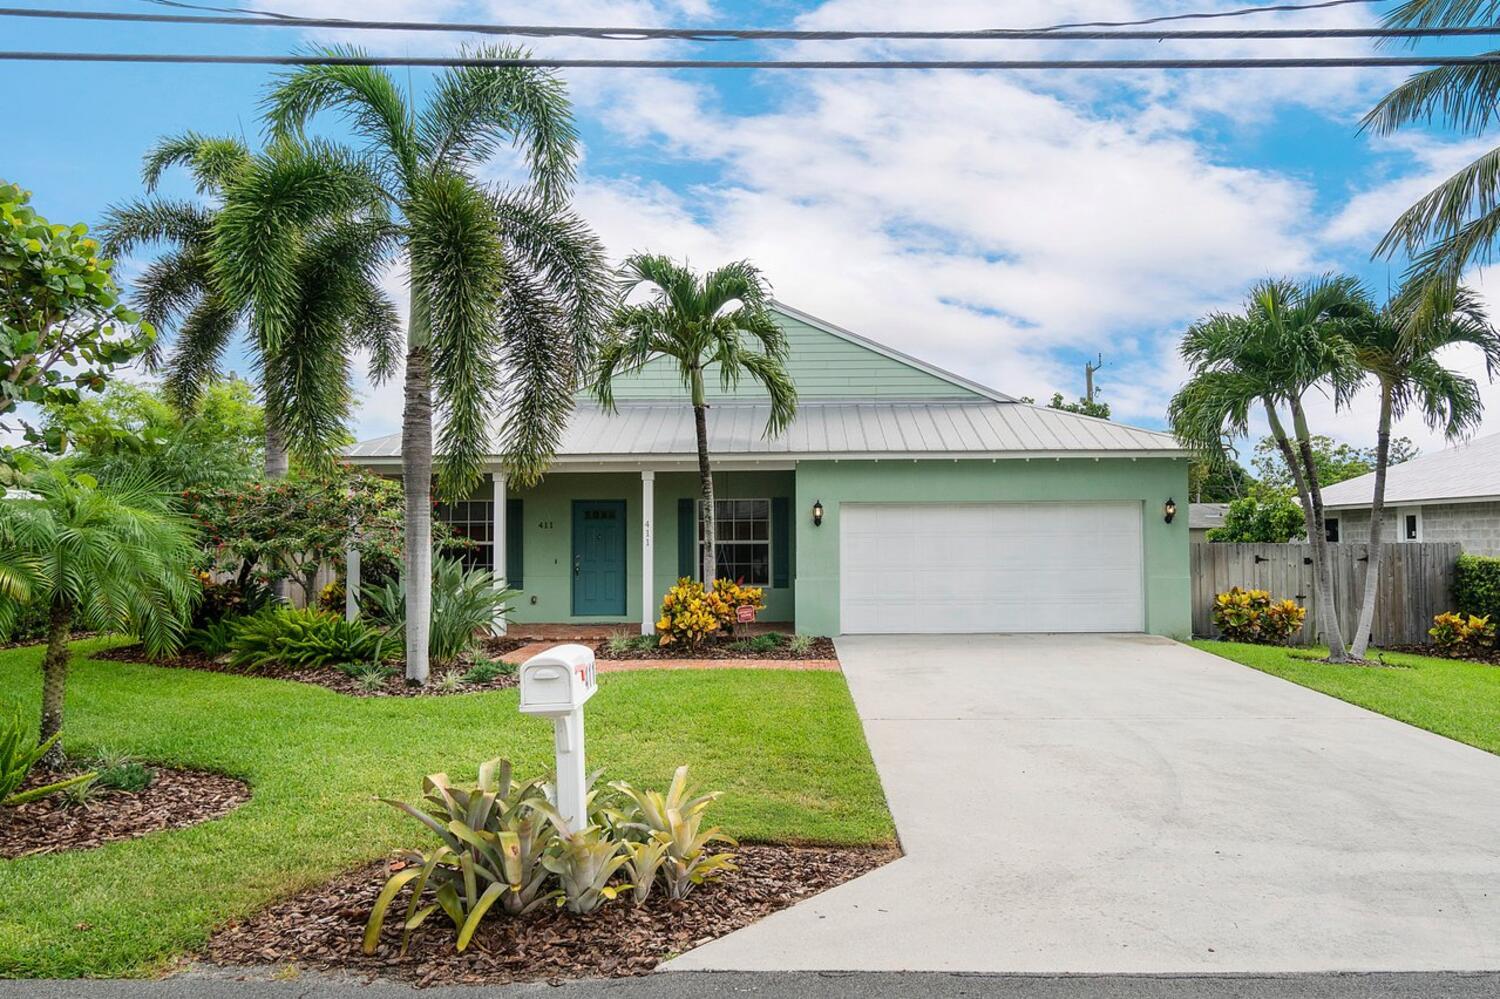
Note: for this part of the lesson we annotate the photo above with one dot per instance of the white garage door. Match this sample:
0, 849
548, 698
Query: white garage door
990, 567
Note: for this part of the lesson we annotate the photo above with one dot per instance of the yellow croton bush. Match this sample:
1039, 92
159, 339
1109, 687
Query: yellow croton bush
690, 614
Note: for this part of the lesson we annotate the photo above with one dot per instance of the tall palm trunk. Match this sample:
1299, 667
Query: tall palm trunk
1333, 633
705, 481
55, 681
416, 474
278, 463
1294, 466
1377, 525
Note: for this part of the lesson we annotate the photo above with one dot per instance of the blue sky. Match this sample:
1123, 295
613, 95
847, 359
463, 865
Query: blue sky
1005, 226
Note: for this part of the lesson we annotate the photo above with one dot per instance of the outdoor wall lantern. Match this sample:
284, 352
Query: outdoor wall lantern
1169, 510
817, 513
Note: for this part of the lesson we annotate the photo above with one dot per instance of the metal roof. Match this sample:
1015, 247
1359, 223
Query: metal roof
1465, 473
958, 428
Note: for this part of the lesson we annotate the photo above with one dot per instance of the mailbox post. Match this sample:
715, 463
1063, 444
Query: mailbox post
555, 684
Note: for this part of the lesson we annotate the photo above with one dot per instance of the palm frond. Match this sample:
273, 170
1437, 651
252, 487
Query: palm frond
476, 108
1445, 213
540, 379
212, 160
200, 343
128, 227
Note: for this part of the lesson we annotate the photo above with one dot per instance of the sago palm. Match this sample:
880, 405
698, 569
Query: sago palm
1286, 343
1399, 347
114, 556
508, 289
331, 304
721, 321
1455, 224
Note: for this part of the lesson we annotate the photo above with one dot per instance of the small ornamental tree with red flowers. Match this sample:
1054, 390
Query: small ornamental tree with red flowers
286, 528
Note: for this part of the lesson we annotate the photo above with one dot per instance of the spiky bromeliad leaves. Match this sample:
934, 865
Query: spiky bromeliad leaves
508, 289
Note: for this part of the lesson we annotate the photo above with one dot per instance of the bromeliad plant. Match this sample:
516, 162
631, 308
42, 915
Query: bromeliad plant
19, 752
465, 604
675, 820
504, 845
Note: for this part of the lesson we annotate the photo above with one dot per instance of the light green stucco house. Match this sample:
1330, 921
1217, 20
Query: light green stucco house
945, 506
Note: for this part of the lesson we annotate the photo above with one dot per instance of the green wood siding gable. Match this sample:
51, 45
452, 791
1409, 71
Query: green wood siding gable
823, 365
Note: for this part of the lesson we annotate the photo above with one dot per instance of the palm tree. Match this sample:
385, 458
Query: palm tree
1399, 347
1287, 342
723, 320
331, 303
1457, 222
112, 556
508, 290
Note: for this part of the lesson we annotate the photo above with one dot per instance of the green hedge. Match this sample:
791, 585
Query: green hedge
1476, 585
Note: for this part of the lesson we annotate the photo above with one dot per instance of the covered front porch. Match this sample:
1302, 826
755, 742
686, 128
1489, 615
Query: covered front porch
600, 545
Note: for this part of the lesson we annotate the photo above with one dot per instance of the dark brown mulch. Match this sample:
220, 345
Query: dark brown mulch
175, 799
323, 928
394, 685
1485, 657
75, 636
821, 648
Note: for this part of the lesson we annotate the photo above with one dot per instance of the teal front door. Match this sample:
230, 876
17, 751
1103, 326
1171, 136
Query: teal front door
598, 558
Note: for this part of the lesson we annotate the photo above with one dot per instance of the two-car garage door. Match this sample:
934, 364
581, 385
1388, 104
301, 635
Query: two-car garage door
990, 567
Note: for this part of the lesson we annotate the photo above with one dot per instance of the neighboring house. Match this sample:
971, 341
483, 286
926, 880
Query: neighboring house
903, 498
1204, 517
1450, 495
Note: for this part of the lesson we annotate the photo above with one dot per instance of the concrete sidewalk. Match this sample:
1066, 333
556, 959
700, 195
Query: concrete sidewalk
1105, 804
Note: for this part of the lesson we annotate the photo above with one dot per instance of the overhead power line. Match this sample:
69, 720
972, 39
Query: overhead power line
797, 64
1088, 31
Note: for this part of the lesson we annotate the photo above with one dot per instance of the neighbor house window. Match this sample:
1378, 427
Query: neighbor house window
1333, 530
473, 520
1411, 525
743, 540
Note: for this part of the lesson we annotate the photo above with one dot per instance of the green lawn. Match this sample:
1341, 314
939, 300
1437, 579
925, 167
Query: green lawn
784, 746
1458, 699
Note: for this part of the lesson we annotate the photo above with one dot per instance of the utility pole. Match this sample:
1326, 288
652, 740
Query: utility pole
1088, 375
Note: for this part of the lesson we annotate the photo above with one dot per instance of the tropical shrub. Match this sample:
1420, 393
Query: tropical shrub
503, 845
225, 600
1264, 517
494, 838
689, 614
465, 605
800, 644
215, 638
485, 669
19, 752
291, 636
1476, 585
735, 595
675, 820
1462, 634
1252, 616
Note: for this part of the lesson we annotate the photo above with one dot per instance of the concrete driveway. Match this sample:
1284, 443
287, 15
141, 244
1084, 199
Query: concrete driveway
1101, 804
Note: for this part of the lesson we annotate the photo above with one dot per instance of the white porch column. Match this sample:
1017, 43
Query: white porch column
497, 527
648, 530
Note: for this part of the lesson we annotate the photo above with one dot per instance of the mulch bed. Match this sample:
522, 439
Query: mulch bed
329, 676
323, 928
821, 648
1485, 657
175, 799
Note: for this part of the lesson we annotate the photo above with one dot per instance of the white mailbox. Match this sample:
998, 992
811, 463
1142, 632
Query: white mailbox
555, 684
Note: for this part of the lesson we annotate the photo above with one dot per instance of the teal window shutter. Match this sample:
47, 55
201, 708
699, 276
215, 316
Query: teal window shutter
781, 543
514, 532
687, 539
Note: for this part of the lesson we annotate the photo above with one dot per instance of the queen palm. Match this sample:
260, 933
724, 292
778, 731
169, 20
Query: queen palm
330, 306
1456, 223
1287, 342
720, 320
508, 290
1399, 346
116, 555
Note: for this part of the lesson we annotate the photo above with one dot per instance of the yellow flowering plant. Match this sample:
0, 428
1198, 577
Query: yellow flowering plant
690, 614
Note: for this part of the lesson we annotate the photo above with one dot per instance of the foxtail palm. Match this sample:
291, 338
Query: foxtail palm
508, 290
1287, 342
1399, 346
330, 302
722, 320
114, 555
1457, 223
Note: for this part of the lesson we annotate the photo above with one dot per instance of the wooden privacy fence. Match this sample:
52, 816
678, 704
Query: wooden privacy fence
1416, 582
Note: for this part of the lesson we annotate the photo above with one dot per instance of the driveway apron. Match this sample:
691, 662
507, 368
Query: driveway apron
1125, 803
